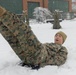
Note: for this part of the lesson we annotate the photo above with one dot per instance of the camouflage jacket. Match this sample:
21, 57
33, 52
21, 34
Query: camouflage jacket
52, 54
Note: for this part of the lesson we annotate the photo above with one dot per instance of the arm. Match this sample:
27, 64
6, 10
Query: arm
61, 56
52, 48
57, 54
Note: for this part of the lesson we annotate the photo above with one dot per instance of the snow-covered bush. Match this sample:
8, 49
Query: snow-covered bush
41, 14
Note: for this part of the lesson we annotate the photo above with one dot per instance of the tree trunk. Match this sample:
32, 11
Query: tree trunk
56, 24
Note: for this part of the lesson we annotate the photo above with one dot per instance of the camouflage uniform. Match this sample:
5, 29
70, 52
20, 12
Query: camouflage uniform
27, 46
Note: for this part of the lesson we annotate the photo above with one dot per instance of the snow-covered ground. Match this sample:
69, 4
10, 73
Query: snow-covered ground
44, 32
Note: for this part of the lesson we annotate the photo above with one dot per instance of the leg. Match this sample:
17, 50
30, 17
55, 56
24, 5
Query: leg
28, 41
12, 40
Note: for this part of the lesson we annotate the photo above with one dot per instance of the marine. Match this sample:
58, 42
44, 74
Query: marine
26, 45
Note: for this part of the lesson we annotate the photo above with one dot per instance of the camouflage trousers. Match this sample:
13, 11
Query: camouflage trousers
20, 37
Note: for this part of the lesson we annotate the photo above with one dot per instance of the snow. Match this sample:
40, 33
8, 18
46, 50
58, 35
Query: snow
9, 61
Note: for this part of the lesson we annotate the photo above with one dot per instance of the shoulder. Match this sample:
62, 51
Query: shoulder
64, 49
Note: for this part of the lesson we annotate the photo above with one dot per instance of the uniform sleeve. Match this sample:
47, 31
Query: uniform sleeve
61, 56
57, 54
52, 48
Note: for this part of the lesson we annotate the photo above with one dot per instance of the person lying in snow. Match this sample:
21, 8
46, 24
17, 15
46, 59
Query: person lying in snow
26, 45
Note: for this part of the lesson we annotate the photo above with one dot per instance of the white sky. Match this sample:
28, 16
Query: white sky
73, 0
44, 32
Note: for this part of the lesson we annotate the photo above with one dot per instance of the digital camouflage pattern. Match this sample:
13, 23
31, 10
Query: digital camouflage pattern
27, 46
